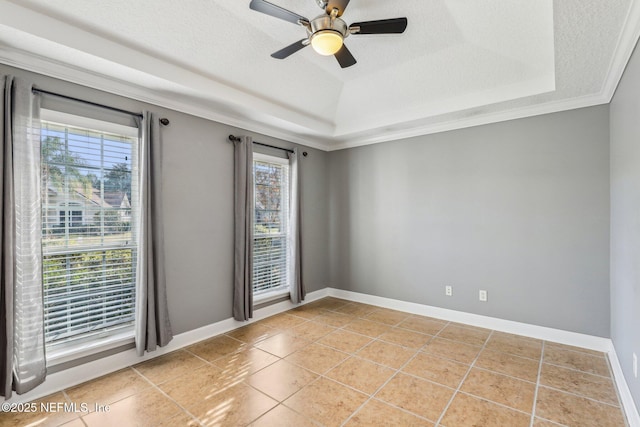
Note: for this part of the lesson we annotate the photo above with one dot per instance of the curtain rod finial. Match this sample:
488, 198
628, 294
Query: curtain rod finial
233, 138
164, 121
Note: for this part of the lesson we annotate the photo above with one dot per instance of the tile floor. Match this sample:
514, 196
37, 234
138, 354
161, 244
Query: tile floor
334, 363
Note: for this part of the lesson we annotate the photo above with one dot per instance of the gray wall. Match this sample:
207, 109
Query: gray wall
519, 208
198, 186
625, 221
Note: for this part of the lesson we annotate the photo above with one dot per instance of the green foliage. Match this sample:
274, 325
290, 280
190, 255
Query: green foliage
118, 179
54, 155
112, 222
81, 280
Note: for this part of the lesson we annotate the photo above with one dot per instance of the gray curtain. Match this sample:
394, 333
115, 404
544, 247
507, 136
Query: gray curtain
153, 327
298, 291
243, 223
22, 351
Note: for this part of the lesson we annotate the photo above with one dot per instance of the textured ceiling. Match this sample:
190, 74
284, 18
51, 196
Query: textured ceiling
459, 63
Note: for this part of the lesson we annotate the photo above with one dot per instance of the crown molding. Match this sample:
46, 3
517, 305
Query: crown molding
623, 51
270, 125
479, 120
72, 74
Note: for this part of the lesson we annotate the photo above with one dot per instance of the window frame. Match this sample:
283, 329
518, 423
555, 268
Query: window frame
113, 337
281, 292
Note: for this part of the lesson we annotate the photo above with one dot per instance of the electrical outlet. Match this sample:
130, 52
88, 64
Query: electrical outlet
448, 291
482, 295
635, 365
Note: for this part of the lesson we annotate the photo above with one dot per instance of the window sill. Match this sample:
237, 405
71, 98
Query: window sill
270, 296
74, 351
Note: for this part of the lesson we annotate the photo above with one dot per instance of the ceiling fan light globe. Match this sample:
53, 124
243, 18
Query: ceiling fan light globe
326, 42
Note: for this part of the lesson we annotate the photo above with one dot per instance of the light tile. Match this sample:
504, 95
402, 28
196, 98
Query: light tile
472, 336
346, 341
312, 331
504, 363
361, 374
199, 385
555, 345
538, 422
108, 389
281, 416
238, 405
572, 410
498, 388
425, 325
405, 338
335, 319
367, 327
253, 333
515, 344
217, 347
169, 366
307, 311
358, 349
356, 309
245, 363
597, 365
281, 379
390, 355
386, 316
577, 382
283, 344
282, 321
317, 358
421, 397
331, 303
326, 401
467, 410
436, 369
147, 408
454, 350
181, 420
376, 413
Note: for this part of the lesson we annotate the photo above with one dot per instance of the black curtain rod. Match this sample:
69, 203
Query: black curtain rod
235, 139
95, 104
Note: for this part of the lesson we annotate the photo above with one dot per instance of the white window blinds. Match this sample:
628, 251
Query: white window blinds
271, 224
89, 185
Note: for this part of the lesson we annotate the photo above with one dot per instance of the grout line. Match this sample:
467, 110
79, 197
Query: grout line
502, 374
555, 423
464, 378
153, 385
535, 394
580, 396
323, 311
493, 402
399, 370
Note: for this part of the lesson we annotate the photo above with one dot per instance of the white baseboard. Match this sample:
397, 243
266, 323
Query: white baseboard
97, 368
623, 389
518, 328
604, 345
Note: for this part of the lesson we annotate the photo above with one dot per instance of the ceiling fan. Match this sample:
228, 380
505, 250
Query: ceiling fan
326, 33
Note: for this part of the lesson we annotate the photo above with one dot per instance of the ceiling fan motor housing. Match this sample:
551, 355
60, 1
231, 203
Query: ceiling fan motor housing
326, 22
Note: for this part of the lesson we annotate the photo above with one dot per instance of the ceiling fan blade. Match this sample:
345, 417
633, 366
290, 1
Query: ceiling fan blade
383, 26
341, 5
276, 11
344, 57
290, 50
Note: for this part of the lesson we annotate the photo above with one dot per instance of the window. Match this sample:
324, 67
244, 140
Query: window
271, 226
89, 183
